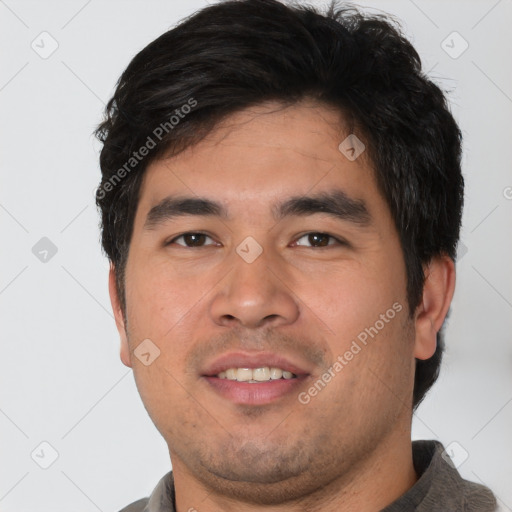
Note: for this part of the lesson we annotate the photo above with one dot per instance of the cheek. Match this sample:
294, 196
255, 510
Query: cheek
159, 309
159, 298
347, 299
162, 395
364, 314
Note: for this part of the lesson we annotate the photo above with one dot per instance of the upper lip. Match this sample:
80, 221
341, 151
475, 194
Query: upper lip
252, 360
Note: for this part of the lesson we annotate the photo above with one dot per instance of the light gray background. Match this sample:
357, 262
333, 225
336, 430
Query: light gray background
61, 377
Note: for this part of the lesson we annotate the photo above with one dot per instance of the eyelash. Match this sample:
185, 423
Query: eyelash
339, 241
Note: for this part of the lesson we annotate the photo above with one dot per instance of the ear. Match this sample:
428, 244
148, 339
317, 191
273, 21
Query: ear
437, 295
118, 315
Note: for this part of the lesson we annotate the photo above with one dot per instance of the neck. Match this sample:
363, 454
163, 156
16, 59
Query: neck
386, 474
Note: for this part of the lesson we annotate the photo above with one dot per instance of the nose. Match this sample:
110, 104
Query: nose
255, 295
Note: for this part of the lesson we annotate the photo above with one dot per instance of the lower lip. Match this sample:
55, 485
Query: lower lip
259, 393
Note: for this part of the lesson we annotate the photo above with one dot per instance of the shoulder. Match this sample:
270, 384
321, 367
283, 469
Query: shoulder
478, 498
162, 498
446, 486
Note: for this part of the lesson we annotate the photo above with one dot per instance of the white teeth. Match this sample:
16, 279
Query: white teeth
262, 374
276, 373
243, 374
231, 374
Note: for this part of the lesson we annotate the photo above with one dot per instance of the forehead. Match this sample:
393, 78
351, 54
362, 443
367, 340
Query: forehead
256, 157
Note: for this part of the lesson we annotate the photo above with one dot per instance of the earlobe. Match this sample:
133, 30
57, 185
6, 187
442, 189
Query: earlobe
119, 318
125, 353
438, 292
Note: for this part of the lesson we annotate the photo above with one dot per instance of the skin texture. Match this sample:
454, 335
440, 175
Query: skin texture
349, 448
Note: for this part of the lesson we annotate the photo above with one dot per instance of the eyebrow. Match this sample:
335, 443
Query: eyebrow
335, 203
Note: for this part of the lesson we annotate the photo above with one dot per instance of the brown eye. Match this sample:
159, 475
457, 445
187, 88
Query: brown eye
190, 239
319, 239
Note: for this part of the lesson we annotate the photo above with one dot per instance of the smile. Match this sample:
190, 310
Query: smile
253, 375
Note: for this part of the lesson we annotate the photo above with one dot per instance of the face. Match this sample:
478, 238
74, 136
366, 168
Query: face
260, 279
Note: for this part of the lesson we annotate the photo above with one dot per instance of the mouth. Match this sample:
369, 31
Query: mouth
254, 379
255, 375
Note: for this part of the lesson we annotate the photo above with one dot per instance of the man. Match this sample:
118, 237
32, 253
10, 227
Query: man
281, 200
